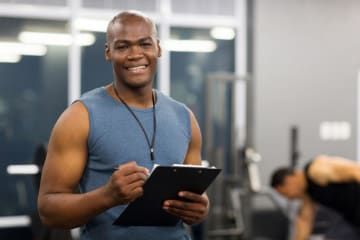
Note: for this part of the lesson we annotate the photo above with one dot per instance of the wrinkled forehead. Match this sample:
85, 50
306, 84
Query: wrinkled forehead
130, 28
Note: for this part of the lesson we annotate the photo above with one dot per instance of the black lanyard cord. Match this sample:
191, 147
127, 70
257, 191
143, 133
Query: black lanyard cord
151, 145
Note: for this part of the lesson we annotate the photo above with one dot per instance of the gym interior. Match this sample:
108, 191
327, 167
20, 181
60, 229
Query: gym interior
271, 83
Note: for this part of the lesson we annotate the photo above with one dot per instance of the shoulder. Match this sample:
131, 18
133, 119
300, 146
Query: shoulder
165, 99
93, 95
320, 169
74, 112
317, 162
73, 122
169, 105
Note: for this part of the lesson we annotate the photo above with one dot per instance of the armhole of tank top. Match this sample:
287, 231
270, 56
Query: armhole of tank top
90, 121
188, 123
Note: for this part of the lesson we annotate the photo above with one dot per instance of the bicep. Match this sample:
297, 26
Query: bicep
193, 155
67, 152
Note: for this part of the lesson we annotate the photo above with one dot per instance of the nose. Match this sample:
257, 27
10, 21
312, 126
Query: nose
135, 53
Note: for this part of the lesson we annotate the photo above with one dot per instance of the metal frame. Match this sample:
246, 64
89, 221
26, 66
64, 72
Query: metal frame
236, 179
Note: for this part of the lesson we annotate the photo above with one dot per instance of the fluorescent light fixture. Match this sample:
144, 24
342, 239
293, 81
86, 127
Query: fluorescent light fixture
335, 131
89, 24
24, 169
15, 221
10, 58
190, 45
222, 33
7, 48
57, 39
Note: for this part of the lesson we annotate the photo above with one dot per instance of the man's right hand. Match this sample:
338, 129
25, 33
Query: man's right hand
125, 184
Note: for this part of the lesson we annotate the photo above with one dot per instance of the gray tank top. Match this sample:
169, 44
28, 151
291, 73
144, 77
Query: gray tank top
116, 138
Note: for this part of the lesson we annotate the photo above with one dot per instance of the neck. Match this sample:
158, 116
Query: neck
139, 98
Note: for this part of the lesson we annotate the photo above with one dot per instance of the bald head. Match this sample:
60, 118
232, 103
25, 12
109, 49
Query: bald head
127, 16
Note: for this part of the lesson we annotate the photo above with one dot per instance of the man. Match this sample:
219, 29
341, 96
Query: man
106, 142
330, 181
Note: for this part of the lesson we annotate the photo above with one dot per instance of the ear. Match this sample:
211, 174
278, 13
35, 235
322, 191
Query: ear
159, 48
107, 53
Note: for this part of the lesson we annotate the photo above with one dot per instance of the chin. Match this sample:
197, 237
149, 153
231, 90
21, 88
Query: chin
138, 84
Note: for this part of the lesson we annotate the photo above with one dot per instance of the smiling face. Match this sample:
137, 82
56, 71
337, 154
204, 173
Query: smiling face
133, 49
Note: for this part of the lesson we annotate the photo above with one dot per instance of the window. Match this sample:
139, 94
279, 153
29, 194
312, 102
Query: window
189, 69
33, 93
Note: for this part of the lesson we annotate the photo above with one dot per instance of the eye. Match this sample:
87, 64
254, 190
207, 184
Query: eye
121, 47
146, 44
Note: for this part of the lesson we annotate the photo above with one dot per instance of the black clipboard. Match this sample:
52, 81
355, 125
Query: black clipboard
164, 183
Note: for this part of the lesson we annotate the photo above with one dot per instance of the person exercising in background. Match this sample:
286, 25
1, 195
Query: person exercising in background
333, 182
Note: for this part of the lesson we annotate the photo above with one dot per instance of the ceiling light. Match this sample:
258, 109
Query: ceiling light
14, 221
27, 169
190, 45
7, 48
222, 33
10, 58
57, 39
94, 25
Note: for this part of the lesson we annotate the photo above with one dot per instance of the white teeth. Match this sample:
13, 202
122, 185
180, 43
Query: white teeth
137, 68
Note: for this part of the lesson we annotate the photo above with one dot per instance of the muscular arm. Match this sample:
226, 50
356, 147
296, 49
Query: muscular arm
197, 210
327, 169
59, 203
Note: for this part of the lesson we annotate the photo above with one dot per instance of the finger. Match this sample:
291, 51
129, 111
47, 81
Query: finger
124, 181
132, 190
142, 170
186, 215
126, 168
193, 197
130, 186
135, 177
182, 212
131, 167
137, 192
183, 206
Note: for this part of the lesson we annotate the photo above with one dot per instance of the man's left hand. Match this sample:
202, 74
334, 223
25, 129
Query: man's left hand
193, 210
